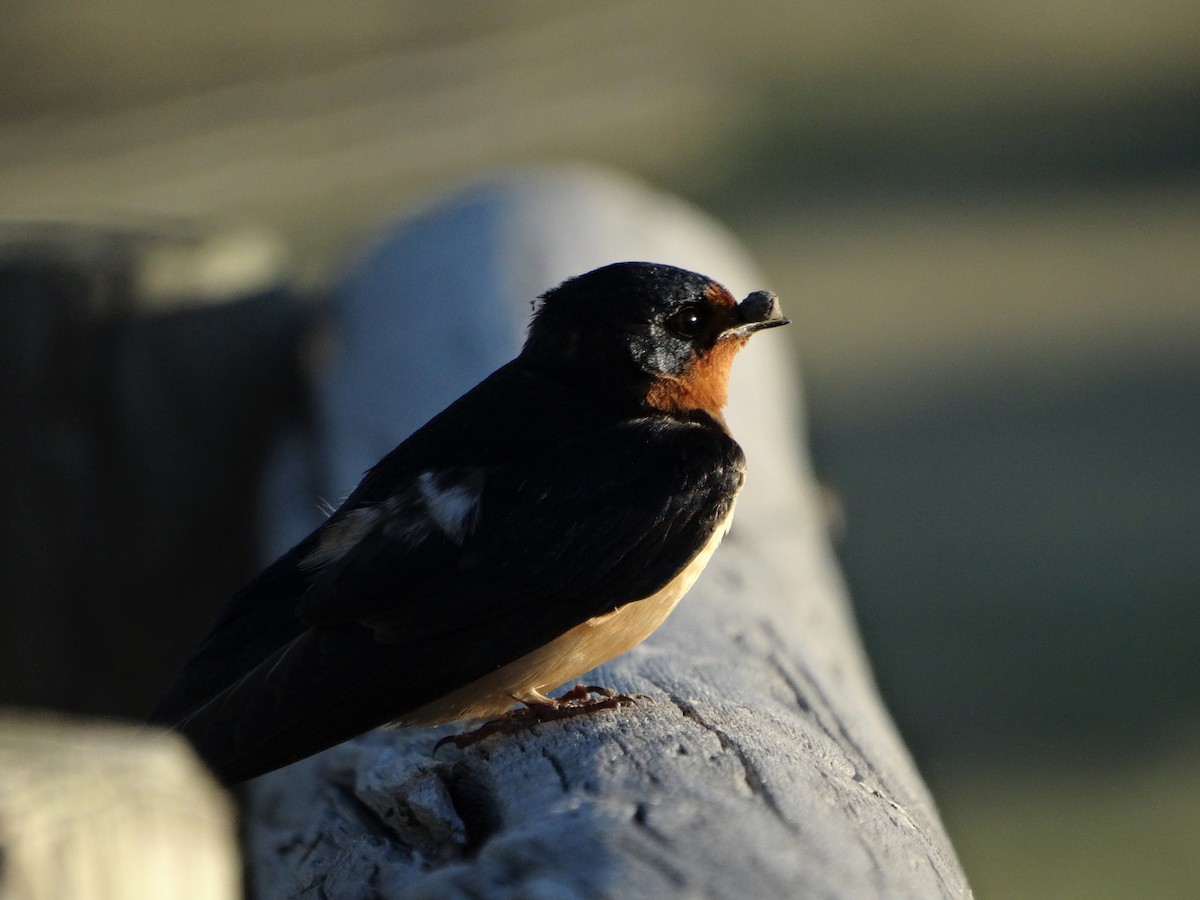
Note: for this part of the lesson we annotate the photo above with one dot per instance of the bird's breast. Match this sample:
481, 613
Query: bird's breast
572, 653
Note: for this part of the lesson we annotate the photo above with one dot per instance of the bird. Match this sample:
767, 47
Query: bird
543, 523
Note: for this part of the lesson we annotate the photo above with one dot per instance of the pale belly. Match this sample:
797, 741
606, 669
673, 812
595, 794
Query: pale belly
568, 656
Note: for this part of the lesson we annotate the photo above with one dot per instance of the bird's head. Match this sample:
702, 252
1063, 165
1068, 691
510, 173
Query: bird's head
668, 334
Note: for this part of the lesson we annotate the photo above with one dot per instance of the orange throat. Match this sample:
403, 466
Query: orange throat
703, 386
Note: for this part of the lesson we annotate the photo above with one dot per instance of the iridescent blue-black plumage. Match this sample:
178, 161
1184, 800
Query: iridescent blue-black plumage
583, 476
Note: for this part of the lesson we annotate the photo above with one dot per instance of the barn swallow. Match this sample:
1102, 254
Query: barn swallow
545, 522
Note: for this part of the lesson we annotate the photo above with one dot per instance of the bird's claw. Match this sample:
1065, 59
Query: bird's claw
577, 701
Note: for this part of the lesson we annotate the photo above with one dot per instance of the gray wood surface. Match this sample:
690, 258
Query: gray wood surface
761, 764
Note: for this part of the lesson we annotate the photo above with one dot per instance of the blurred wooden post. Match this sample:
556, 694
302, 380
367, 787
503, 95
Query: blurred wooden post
764, 764
96, 811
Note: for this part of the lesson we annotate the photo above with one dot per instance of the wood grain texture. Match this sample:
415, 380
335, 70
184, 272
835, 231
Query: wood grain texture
762, 762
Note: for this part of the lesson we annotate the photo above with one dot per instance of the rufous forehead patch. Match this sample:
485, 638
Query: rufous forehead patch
718, 296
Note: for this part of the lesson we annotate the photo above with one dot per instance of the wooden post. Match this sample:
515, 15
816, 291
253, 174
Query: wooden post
762, 764
93, 810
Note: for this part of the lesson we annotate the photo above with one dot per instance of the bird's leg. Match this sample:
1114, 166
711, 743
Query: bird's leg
578, 701
575, 702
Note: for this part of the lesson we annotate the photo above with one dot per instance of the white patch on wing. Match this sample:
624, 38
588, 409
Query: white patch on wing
406, 521
453, 505
436, 501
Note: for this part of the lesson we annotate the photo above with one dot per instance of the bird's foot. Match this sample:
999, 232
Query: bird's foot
578, 701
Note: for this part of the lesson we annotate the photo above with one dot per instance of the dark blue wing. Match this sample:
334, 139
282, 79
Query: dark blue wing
567, 526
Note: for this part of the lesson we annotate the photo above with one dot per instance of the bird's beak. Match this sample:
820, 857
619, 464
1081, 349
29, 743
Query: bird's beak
758, 311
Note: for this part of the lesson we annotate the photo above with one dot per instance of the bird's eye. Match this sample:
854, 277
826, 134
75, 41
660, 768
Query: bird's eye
688, 321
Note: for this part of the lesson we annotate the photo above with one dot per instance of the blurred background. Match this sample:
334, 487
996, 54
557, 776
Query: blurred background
984, 220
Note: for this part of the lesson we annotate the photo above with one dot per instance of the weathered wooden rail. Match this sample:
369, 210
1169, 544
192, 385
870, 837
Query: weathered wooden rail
762, 764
